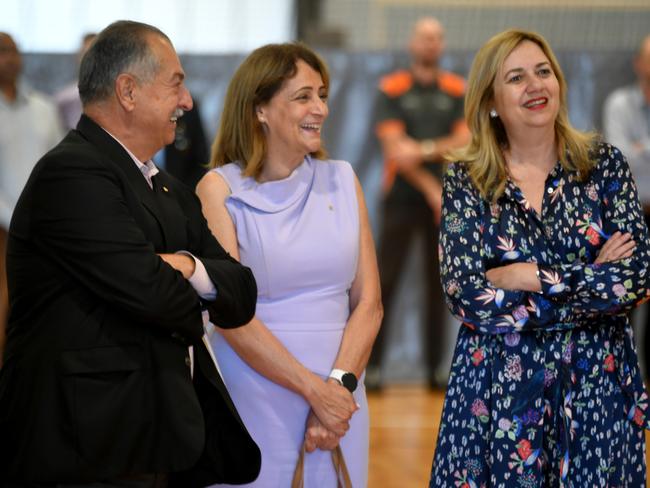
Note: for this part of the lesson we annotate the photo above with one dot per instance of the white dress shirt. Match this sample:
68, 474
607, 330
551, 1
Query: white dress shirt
626, 124
30, 127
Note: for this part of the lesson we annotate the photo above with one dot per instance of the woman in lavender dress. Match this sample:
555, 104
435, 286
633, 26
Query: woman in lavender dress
300, 222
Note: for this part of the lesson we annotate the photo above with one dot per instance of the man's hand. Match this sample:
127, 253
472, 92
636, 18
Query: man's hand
317, 436
180, 262
405, 152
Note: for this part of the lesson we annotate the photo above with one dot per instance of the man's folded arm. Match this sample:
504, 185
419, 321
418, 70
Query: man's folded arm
82, 222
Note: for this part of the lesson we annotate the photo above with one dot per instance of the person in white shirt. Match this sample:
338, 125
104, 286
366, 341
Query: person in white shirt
626, 124
30, 127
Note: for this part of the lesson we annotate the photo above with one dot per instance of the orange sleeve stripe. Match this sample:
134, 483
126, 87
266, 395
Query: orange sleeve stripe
396, 84
390, 171
389, 127
452, 84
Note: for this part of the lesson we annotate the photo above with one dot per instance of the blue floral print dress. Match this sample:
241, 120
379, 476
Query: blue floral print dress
545, 389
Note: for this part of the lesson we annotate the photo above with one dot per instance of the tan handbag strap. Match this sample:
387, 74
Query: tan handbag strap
298, 480
341, 468
342, 474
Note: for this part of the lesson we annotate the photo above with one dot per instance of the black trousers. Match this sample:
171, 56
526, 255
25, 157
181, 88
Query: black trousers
401, 224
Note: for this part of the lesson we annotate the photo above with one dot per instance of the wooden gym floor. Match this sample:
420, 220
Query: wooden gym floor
404, 424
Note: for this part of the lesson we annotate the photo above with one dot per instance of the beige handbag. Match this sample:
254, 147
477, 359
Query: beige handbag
342, 475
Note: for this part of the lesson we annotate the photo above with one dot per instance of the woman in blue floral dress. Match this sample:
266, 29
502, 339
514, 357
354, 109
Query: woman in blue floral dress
543, 252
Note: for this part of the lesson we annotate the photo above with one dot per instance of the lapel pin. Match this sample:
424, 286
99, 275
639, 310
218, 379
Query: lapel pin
165, 189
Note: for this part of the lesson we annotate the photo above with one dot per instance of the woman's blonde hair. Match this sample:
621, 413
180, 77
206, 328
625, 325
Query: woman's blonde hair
484, 154
241, 135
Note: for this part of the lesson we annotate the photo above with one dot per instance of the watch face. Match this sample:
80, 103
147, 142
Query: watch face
349, 381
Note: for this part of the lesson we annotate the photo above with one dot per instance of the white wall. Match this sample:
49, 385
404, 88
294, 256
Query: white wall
194, 26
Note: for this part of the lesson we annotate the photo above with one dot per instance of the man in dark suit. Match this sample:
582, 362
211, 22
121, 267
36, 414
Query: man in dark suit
107, 377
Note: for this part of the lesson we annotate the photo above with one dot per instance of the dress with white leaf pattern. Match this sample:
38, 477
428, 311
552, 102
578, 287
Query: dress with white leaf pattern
545, 388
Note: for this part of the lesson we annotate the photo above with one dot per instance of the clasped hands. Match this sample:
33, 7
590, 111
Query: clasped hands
406, 153
332, 407
522, 276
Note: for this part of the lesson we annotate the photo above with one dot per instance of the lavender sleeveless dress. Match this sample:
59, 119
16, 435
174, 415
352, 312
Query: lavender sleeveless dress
300, 236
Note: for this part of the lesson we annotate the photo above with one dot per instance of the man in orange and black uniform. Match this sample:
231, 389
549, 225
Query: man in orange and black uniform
420, 118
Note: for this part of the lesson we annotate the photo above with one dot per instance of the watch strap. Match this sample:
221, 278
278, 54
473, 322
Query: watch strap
345, 379
337, 374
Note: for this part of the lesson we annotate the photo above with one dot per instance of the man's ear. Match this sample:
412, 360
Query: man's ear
125, 90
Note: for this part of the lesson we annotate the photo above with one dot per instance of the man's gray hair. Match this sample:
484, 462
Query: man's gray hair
122, 47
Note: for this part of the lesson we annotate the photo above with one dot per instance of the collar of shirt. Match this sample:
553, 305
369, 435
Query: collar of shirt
635, 95
148, 169
643, 105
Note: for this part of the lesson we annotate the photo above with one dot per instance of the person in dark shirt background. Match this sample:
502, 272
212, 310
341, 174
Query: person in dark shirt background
420, 118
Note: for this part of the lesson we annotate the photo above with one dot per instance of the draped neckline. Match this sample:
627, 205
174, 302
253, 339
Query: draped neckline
269, 196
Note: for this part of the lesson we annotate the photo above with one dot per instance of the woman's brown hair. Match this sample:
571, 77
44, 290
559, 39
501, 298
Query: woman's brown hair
240, 137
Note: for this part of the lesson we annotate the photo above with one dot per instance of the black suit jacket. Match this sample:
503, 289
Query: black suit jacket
96, 381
